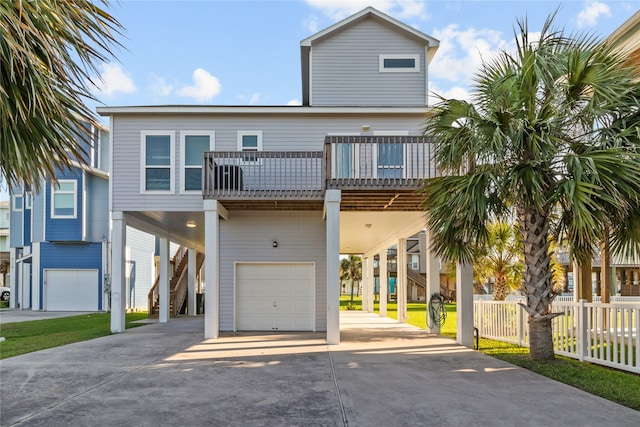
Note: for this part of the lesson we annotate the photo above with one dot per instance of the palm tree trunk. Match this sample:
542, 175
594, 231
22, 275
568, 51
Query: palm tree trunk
500, 288
538, 284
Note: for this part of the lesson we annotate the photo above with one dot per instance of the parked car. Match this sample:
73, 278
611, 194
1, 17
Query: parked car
4, 293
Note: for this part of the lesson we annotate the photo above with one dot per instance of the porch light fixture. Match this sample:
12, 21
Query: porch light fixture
191, 224
365, 128
275, 244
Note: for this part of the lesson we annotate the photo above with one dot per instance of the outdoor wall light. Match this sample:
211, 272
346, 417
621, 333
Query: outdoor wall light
191, 224
365, 128
275, 244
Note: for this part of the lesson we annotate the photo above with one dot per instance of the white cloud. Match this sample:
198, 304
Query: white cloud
462, 52
311, 24
294, 102
588, 17
254, 98
159, 86
454, 92
205, 86
340, 9
112, 80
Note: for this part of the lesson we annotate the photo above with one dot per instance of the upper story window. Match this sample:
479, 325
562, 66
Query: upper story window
192, 145
249, 141
64, 199
28, 200
399, 63
18, 202
157, 162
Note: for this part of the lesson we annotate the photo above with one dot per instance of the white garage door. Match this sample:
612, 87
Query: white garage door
71, 290
275, 297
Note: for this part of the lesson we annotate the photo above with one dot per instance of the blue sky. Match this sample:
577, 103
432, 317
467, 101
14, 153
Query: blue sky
248, 52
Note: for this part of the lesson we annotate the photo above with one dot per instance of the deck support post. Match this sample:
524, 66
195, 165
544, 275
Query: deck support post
118, 269
332, 216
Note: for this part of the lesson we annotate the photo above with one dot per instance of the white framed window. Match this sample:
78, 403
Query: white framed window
249, 141
399, 63
192, 145
64, 200
18, 202
157, 159
28, 200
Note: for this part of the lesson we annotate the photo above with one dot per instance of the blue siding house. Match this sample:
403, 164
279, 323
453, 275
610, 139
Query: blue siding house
59, 239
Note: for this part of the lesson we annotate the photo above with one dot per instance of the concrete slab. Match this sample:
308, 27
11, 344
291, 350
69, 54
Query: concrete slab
382, 374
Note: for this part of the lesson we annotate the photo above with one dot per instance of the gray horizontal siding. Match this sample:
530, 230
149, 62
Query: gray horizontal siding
279, 133
140, 267
345, 69
248, 237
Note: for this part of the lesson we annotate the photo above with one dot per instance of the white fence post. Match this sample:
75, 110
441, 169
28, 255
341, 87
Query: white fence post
583, 330
520, 322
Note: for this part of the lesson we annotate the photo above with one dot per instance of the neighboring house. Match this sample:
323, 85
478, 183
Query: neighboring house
4, 243
624, 271
60, 248
283, 190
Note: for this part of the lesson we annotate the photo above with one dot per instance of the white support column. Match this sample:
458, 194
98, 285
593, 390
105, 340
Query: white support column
191, 282
384, 282
332, 216
369, 288
401, 280
433, 278
118, 270
464, 304
13, 283
163, 284
212, 212
36, 295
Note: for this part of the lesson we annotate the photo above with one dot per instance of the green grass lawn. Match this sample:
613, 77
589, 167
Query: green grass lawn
611, 384
34, 335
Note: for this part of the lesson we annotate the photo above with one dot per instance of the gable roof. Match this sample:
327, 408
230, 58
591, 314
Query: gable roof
367, 13
627, 38
370, 12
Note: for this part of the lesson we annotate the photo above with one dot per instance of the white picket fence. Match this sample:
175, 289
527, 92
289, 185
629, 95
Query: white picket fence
606, 334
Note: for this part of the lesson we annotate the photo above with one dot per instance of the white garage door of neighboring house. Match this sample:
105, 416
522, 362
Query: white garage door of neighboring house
71, 290
275, 297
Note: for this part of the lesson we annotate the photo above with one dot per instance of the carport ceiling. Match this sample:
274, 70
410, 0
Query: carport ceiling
362, 232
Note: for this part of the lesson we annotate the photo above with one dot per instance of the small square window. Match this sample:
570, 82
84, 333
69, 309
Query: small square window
250, 142
399, 63
18, 202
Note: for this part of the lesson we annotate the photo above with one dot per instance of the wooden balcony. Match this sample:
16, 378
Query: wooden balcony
373, 172
379, 172
265, 179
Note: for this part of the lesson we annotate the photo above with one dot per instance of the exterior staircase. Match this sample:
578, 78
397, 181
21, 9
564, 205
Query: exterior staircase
421, 281
178, 284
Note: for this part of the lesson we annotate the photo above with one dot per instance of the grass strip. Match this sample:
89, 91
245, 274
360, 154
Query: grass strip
34, 335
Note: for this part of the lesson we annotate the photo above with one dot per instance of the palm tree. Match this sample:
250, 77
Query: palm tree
48, 52
552, 136
500, 259
351, 270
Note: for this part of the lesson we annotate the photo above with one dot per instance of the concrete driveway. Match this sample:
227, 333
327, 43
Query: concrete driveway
383, 374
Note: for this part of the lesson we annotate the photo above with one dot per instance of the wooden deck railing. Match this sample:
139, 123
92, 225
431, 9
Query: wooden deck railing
347, 163
362, 162
263, 174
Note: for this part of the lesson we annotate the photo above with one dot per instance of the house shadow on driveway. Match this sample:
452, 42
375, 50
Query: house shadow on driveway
382, 374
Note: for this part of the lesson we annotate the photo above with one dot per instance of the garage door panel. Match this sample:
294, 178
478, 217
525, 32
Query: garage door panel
275, 297
71, 290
